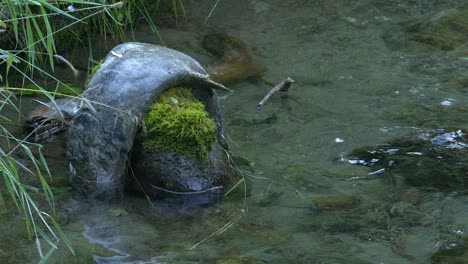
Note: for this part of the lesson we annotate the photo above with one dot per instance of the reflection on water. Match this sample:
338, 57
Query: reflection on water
373, 78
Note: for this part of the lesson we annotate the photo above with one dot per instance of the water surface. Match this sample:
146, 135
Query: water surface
362, 78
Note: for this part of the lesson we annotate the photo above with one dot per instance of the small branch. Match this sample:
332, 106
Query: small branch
72, 68
217, 86
282, 87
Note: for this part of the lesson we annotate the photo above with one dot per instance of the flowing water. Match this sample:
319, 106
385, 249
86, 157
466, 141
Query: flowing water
364, 75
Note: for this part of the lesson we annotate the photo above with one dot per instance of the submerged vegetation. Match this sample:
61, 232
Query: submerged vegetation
445, 30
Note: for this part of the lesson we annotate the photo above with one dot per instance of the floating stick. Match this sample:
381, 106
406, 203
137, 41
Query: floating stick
282, 87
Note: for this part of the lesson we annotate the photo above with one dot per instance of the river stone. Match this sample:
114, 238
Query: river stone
161, 173
435, 159
102, 133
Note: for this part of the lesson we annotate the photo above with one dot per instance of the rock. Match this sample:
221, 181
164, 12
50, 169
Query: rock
455, 252
234, 62
177, 152
131, 77
161, 173
436, 159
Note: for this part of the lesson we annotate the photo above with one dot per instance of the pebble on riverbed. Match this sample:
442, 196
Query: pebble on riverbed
336, 202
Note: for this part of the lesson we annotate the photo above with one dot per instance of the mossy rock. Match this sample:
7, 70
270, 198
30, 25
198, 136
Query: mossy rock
176, 150
178, 123
433, 159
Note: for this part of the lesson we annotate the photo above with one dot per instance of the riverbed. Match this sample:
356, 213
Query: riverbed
364, 76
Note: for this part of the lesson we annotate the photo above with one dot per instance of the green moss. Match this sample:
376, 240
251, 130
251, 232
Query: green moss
178, 122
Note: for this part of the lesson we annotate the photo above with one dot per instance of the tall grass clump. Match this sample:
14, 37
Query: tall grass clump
40, 29
39, 223
32, 34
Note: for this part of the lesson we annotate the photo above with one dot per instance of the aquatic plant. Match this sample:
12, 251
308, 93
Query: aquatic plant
445, 30
31, 33
336, 202
178, 122
39, 223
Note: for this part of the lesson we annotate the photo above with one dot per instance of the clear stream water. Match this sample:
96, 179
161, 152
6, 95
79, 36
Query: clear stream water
360, 81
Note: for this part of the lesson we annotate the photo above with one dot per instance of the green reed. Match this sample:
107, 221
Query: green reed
32, 32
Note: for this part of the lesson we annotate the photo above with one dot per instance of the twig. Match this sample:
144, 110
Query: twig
217, 86
282, 87
72, 68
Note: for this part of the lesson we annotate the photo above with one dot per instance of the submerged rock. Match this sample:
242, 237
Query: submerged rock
234, 61
164, 173
437, 159
445, 30
455, 252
